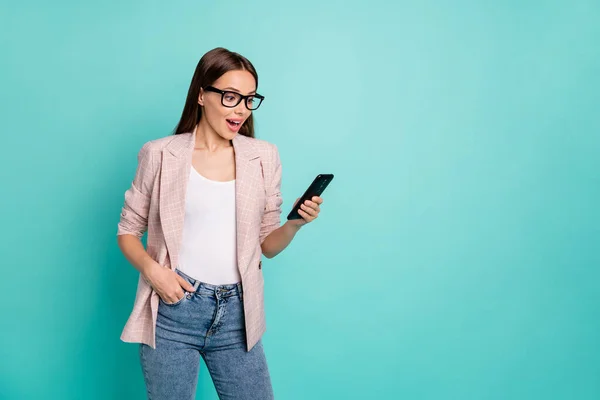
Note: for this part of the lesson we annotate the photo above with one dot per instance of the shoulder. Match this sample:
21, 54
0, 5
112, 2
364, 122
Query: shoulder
157, 145
263, 147
154, 148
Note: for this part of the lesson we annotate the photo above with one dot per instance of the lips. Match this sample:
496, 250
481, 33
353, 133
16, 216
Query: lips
234, 124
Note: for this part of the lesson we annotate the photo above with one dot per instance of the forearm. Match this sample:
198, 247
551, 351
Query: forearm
279, 239
133, 250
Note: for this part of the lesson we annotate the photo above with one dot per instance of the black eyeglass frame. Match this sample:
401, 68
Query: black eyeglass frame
242, 97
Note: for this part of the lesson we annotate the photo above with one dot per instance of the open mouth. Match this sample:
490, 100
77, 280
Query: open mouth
233, 125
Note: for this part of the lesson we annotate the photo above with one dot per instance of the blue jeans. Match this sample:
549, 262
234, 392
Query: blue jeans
210, 323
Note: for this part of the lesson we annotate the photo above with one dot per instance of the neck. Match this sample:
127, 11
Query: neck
208, 139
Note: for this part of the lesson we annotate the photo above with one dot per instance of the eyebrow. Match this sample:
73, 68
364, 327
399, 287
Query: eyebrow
232, 88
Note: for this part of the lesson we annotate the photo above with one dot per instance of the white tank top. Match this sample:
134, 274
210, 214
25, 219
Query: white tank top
208, 247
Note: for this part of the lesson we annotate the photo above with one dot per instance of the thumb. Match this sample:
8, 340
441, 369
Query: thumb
296, 202
185, 284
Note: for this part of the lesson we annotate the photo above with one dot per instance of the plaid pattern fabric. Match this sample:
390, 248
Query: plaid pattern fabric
155, 202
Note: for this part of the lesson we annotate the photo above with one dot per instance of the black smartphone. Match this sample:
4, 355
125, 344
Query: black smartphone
316, 188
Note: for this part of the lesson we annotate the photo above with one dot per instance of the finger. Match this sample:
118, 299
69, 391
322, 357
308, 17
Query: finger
313, 205
305, 215
317, 199
185, 284
178, 295
309, 210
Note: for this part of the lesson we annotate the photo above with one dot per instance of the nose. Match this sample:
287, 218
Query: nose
240, 109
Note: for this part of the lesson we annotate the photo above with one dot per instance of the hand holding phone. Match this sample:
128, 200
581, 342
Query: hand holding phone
316, 188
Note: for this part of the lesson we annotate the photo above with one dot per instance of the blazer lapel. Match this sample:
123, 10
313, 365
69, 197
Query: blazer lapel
176, 164
175, 170
248, 178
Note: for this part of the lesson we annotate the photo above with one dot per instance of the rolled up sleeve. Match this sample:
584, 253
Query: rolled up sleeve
272, 214
134, 213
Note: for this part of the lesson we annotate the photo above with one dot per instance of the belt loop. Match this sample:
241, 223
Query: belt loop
239, 288
196, 285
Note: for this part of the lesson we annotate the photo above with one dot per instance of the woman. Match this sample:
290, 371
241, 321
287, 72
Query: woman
209, 197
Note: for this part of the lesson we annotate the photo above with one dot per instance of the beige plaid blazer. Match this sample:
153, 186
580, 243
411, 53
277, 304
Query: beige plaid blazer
155, 202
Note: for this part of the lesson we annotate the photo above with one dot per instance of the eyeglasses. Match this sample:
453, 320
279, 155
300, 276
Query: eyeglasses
232, 99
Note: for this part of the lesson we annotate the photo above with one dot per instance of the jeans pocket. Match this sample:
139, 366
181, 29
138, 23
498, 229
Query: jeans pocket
185, 294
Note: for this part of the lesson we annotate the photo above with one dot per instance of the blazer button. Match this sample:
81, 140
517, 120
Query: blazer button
260, 265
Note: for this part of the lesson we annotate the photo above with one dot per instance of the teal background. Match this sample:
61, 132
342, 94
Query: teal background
457, 252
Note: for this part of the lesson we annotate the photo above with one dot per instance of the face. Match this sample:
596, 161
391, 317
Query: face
225, 121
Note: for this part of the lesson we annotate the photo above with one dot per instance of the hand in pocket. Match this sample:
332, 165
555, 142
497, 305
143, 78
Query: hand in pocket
169, 285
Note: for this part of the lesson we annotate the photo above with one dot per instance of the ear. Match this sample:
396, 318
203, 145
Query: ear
201, 97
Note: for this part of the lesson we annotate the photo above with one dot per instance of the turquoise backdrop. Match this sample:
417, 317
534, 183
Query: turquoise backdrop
457, 252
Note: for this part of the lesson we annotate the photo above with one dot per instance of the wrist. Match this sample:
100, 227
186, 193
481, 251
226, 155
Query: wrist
291, 227
147, 267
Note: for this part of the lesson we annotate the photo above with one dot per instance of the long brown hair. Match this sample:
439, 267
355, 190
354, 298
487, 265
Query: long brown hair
211, 66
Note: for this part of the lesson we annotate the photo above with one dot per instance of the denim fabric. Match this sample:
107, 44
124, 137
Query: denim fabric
207, 323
